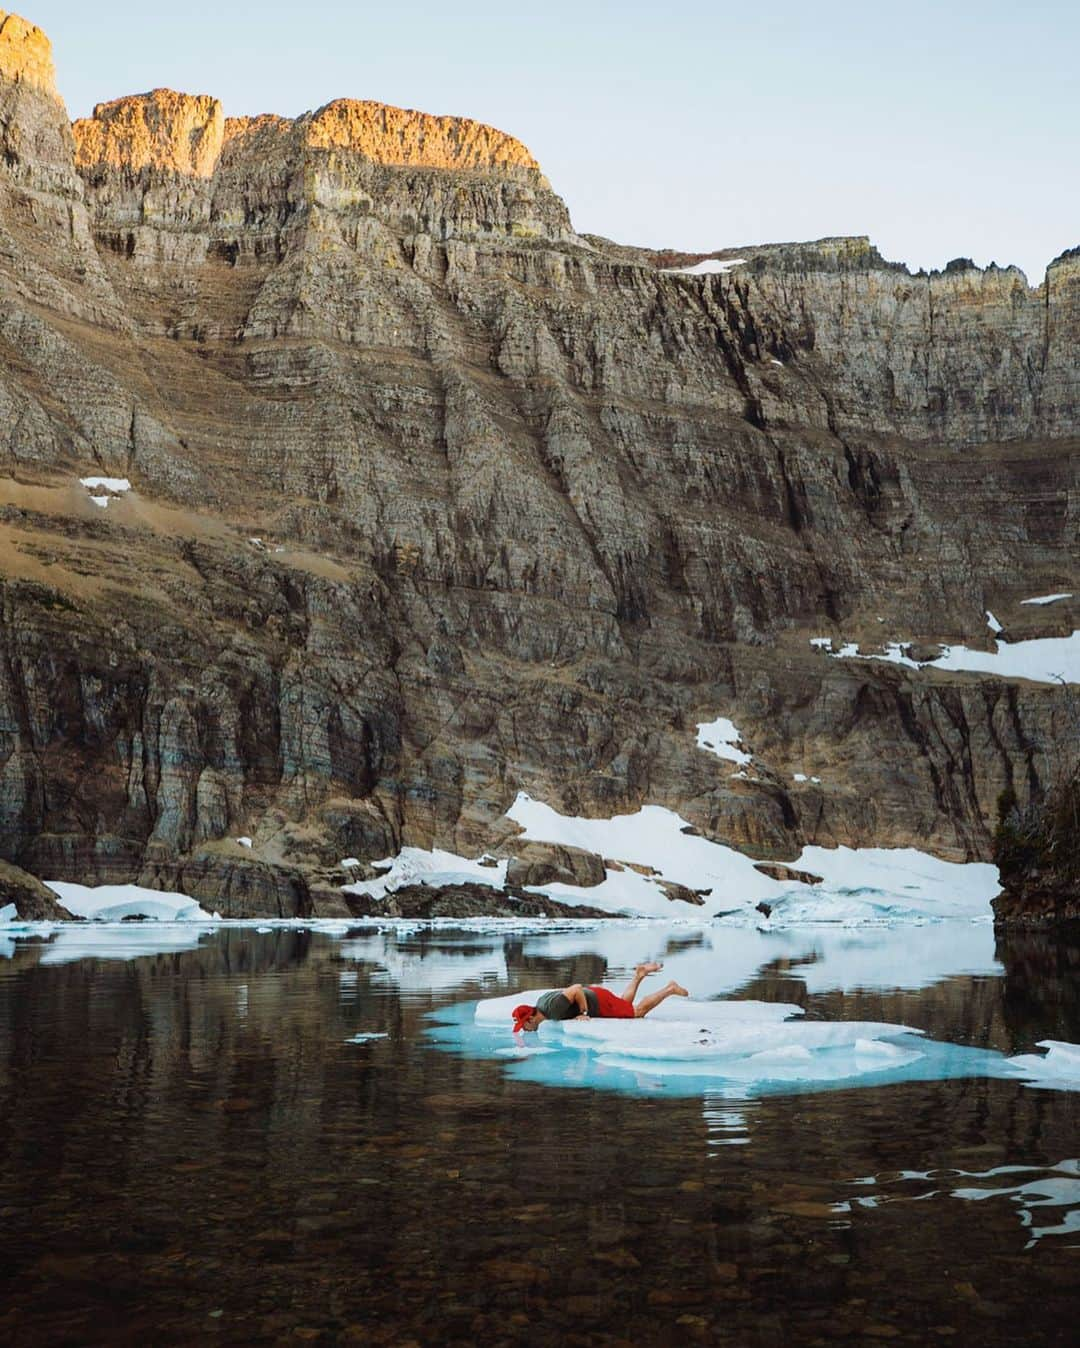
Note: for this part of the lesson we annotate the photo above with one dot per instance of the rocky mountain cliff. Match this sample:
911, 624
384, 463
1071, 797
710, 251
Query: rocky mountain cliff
433, 499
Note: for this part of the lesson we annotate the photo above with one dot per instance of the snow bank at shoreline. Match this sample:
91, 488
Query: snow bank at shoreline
117, 903
656, 865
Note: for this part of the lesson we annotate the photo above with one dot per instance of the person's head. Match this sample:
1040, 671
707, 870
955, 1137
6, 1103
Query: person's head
526, 1018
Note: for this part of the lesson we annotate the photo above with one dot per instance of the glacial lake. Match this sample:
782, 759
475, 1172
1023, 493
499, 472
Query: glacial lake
266, 1134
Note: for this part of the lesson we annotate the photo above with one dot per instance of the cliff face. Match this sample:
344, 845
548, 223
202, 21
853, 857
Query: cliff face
434, 499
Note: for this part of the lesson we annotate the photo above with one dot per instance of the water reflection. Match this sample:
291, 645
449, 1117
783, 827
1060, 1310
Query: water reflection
1046, 1201
252, 1141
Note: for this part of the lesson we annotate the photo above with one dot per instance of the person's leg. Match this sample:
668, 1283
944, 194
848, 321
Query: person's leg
654, 999
640, 972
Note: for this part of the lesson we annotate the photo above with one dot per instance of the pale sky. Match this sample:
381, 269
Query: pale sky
941, 130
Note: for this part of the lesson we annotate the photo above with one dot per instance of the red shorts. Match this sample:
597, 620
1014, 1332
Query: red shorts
612, 1007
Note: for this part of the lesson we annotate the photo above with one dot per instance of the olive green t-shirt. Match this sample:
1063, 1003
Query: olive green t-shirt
557, 1006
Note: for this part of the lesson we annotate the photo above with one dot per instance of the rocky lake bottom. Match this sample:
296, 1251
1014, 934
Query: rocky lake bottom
272, 1134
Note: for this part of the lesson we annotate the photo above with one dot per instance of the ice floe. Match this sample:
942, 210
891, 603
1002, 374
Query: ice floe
9, 913
114, 903
744, 1048
743, 1041
1041, 660
1058, 1068
1047, 598
721, 738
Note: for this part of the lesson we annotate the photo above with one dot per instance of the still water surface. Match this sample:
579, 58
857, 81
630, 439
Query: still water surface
196, 1147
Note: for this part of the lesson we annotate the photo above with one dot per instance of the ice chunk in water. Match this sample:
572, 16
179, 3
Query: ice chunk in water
1059, 1069
690, 1047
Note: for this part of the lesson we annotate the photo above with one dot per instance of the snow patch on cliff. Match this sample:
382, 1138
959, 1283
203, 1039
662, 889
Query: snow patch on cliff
1041, 660
113, 484
712, 266
418, 866
720, 737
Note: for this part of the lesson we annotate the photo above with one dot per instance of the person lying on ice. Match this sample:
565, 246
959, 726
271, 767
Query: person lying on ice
583, 1003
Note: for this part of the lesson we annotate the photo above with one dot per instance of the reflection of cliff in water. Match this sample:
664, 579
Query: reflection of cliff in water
192, 1131
1041, 988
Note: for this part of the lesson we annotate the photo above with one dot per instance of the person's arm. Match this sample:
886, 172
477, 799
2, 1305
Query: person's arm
575, 995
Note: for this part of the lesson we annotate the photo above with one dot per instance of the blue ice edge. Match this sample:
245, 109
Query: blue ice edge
792, 1055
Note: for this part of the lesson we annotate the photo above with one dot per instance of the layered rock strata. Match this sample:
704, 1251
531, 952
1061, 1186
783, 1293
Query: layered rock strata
433, 499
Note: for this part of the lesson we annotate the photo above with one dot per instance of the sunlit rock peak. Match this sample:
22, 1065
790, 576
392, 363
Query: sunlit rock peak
25, 53
185, 133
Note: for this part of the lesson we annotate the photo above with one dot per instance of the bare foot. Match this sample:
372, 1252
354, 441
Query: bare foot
677, 990
650, 967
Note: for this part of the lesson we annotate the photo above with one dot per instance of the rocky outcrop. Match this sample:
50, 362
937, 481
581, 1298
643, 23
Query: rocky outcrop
434, 500
533, 863
34, 902
158, 165
787, 874
1037, 851
25, 55
423, 902
234, 888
